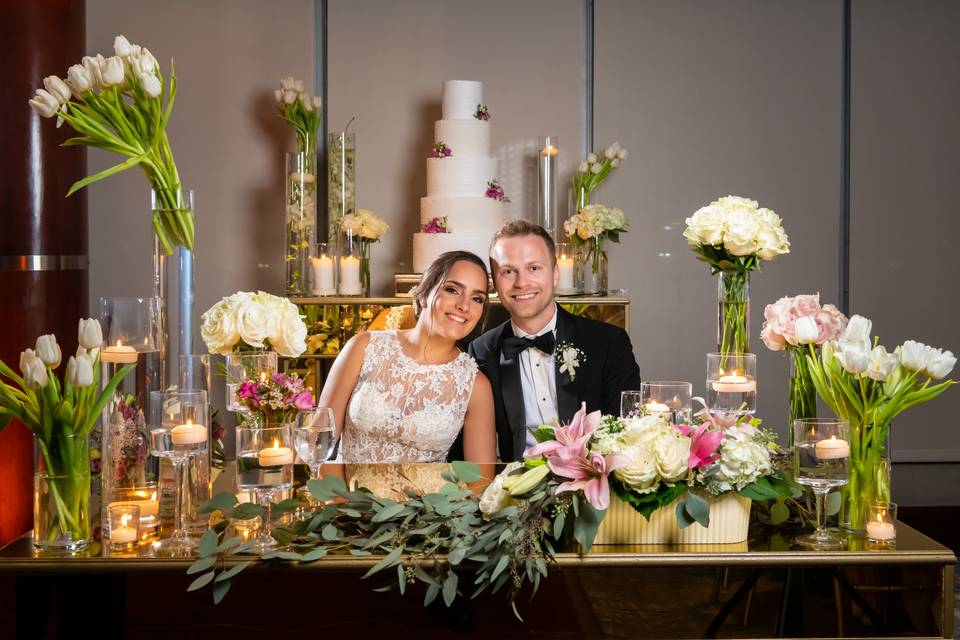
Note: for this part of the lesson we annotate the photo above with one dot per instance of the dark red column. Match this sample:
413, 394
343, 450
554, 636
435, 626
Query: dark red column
43, 235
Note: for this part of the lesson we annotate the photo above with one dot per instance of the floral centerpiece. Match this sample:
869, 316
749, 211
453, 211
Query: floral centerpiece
593, 172
735, 236
119, 104
790, 324
868, 386
366, 227
590, 227
61, 416
275, 399
248, 321
302, 112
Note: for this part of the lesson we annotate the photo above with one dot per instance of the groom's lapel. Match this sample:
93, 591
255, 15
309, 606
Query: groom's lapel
567, 403
511, 389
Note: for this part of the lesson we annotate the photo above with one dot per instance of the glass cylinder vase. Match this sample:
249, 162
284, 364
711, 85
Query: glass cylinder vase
354, 266
196, 374
61, 491
869, 475
733, 307
128, 473
592, 268
341, 178
176, 206
301, 220
547, 166
803, 395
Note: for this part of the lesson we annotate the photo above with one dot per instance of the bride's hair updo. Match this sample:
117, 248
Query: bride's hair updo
437, 272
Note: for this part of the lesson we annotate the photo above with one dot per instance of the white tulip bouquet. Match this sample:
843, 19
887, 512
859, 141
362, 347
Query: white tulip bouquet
594, 171
300, 110
868, 386
61, 417
248, 321
119, 104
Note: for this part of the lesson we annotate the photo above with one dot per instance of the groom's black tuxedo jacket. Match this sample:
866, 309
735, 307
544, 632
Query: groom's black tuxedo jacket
608, 369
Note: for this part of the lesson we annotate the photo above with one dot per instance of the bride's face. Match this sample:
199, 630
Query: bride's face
456, 304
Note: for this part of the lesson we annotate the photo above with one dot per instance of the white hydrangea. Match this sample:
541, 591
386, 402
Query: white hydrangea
743, 459
593, 220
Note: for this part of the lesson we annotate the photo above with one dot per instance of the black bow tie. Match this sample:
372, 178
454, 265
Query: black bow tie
512, 345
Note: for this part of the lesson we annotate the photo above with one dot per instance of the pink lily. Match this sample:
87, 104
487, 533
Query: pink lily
703, 444
588, 472
568, 440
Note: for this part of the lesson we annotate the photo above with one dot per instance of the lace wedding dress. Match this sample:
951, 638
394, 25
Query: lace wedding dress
404, 411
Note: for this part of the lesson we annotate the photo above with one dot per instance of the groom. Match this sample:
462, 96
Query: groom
544, 361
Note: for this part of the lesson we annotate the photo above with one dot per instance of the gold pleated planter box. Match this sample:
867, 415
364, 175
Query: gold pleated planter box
729, 521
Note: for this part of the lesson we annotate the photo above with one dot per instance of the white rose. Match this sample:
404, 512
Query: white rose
742, 229
289, 337
673, 455
737, 201
706, 227
219, 328
495, 497
742, 460
640, 473
254, 321
643, 430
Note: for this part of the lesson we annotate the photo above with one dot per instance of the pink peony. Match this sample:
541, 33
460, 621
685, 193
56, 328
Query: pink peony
780, 320
831, 323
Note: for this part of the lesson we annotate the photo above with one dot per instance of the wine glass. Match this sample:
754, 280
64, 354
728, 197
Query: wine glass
178, 431
247, 366
631, 404
265, 466
821, 457
316, 438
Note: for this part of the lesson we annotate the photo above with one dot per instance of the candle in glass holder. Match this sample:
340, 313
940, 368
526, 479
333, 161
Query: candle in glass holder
350, 276
832, 448
566, 265
881, 527
124, 525
189, 433
657, 408
124, 533
734, 383
119, 354
275, 456
323, 275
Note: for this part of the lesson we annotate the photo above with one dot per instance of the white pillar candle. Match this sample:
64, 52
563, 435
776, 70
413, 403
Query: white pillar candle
734, 384
190, 433
832, 448
323, 276
565, 265
881, 530
119, 354
275, 456
350, 276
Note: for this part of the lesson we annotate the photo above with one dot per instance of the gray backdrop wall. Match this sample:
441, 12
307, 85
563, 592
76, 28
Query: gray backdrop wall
740, 97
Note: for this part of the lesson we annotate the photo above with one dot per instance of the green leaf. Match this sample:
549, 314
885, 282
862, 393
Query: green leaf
425, 577
324, 489
220, 502
316, 554
330, 532
401, 579
286, 506
202, 581
106, 173
779, 513
450, 588
248, 510
456, 556
208, 543
388, 512
202, 564
360, 552
833, 503
220, 589
466, 471
232, 571
432, 591
585, 527
501, 565
692, 509
229, 542
391, 559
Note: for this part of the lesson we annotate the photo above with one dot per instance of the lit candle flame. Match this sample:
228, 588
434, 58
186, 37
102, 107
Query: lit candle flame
119, 343
153, 497
124, 519
263, 376
276, 443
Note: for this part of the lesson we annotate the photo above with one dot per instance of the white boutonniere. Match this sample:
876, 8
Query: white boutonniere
570, 358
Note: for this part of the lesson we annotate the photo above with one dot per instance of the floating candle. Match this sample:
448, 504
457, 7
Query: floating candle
275, 456
734, 383
119, 354
832, 448
189, 433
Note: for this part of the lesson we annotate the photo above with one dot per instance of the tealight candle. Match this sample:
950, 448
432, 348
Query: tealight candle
124, 533
119, 354
189, 433
657, 408
832, 448
149, 505
323, 275
350, 276
124, 526
881, 530
734, 383
275, 456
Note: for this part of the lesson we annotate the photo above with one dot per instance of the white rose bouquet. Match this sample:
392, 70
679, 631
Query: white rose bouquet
247, 321
366, 227
734, 236
868, 386
119, 104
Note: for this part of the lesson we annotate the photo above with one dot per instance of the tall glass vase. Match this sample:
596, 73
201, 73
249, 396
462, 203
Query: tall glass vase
733, 306
803, 395
341, 179
547, 167
869, 475
178, 269
301, 220
61, 491
593, 268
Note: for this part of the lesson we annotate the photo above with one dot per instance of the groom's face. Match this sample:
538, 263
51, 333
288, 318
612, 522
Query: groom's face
525, 277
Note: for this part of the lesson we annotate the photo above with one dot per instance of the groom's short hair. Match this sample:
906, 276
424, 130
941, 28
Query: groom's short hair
517, 228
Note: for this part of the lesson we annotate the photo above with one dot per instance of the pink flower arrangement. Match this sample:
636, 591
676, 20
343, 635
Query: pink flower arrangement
567, 456
495, 191
276, 399
780, 321
704, 444
436, 225
482, 112
441, 150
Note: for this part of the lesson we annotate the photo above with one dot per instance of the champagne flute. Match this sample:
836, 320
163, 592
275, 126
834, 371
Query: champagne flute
316, 438
821, 457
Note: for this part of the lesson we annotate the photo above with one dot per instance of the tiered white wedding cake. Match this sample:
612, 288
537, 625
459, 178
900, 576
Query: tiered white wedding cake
464, 203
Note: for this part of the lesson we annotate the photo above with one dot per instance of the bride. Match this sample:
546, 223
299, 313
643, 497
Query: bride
403, 396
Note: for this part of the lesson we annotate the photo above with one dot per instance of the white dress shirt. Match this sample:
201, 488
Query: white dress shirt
538, 379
